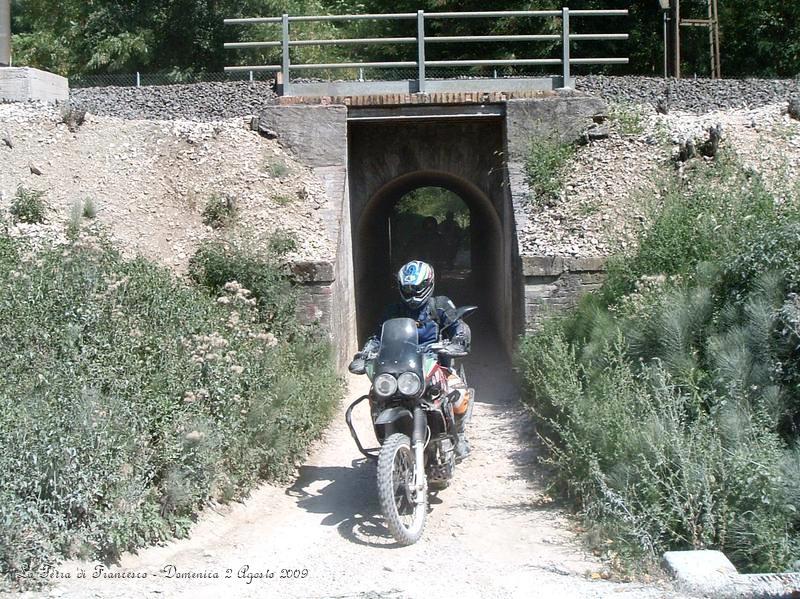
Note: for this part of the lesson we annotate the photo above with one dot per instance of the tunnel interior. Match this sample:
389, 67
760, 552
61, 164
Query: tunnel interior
389, 234
397, 168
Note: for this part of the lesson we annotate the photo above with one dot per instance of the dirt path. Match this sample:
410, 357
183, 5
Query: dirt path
492, 534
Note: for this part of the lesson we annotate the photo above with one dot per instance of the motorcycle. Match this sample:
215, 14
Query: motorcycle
414, 399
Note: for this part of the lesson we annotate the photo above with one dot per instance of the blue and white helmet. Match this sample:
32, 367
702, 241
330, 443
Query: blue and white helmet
415, 281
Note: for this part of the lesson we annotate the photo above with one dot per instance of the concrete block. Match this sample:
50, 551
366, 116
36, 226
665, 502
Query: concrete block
317, 134
542, 266
566, 117
711, 574
588, 264
23, 84
707, 572
316, 272
540, 291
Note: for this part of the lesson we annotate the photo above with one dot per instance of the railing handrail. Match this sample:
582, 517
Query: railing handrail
566, 36
429, 15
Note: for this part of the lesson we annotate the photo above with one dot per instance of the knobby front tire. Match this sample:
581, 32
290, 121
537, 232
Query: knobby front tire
404, 517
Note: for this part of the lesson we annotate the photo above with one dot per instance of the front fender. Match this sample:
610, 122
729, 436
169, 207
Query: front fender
392, 415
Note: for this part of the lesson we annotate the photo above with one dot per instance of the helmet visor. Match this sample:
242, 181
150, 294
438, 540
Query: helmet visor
409, 290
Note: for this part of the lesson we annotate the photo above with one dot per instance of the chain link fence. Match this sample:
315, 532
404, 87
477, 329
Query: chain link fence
364, 74
168, 78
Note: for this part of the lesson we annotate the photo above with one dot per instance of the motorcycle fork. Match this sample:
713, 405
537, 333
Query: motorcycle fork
418, 443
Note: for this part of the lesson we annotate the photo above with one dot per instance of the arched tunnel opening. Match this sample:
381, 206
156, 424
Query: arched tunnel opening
408, 219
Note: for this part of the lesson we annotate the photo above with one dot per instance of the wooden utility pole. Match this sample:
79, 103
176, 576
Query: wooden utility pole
5, 33
716, 38
676, 20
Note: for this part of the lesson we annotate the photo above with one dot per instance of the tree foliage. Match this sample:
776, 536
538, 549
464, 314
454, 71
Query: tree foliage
74, 37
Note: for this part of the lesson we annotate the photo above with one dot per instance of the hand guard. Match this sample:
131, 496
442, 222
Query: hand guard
358, 365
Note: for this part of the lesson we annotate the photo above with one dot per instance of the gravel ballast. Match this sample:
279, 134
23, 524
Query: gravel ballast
195, 101
691, 95
214, 101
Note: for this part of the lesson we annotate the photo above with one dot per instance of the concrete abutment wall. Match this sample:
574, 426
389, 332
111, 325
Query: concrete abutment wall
367, 166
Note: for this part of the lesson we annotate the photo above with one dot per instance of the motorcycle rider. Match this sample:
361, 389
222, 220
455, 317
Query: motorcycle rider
415, 281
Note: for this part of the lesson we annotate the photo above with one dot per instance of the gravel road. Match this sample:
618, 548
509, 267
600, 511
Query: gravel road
493, 534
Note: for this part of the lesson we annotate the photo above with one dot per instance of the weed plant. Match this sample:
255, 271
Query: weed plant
276, 168
545, 169
89, 208
671, 400
219, 212
284, 199
628, 118
282, 242
131, 399
28, 206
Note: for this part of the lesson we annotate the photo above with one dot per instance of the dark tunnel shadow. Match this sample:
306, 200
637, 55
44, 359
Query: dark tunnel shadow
483, 284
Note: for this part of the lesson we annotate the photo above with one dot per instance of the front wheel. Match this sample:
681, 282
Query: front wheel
404, 516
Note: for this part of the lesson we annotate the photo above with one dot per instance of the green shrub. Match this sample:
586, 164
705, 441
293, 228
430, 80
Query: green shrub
702, 220
89, 208
671, 400
282, 242
216, 264
28, 206
219, 212
75, 218
130, 399
647, 462
629, 118
284, 199
276, 168
545, 168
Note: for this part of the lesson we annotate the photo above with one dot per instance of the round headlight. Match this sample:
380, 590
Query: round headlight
409, 383
385, 385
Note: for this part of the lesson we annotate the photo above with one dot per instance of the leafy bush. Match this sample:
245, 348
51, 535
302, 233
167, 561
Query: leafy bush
75, 218
284, 199
629, 118
282, 242
545, 168
217, 263
89, 208
702, 220
276, 168
130, 399
670, 401
219, 212
28, 206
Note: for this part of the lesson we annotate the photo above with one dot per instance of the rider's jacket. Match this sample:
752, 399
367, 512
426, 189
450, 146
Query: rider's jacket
431, 317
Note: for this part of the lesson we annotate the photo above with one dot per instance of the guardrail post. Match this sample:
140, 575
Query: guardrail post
565, 42
421, 51
285, 53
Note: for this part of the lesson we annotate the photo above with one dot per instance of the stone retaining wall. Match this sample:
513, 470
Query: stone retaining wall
317, 135
556, 283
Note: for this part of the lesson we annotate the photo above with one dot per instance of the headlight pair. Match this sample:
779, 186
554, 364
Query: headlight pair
407, 383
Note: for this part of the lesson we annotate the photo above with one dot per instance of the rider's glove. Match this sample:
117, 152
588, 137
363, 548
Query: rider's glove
358, 365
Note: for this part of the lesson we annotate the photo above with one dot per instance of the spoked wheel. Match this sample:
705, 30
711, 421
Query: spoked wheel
404, 516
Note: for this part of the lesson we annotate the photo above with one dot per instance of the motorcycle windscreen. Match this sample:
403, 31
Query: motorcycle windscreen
399, 347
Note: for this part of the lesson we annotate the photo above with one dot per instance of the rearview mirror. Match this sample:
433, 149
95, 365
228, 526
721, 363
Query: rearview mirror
457, 314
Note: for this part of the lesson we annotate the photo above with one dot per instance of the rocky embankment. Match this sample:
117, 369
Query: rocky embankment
613, 184
150, 182
610, 186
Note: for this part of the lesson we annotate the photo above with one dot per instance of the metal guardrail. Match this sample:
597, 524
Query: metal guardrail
422, 40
